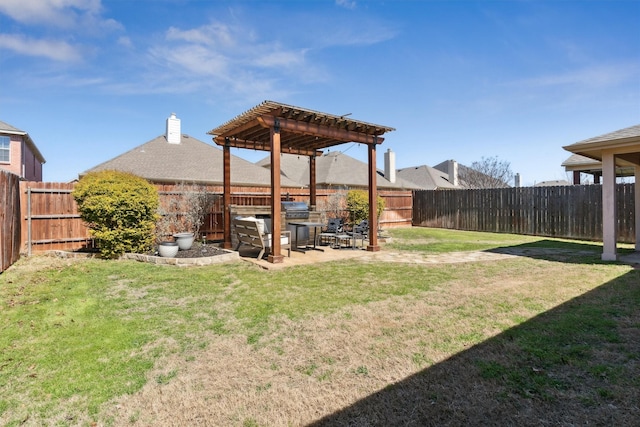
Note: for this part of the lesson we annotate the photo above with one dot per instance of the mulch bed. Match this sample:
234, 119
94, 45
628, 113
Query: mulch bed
199, 250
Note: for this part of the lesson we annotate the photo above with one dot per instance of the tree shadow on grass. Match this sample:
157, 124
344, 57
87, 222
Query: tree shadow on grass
577, 364
560, 251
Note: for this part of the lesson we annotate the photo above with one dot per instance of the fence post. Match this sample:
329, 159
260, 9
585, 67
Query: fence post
28, 221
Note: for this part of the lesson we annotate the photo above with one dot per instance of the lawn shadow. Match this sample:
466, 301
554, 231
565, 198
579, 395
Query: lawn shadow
577, 364
560, 251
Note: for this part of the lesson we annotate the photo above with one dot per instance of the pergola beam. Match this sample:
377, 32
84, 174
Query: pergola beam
337, 134
266, 146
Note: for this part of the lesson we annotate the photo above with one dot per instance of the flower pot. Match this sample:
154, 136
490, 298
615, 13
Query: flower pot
184, 240
168, 249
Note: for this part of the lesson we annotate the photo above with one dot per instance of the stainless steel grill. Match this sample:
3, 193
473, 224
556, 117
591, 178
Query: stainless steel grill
295, 210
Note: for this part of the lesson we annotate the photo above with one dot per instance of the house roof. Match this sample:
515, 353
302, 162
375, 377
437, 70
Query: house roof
426, 177
6, 128
624, 142
576, 162
190, 161
552, 183
333, 169
302, 131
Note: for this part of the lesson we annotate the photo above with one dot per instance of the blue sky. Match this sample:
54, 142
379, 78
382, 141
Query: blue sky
91, 79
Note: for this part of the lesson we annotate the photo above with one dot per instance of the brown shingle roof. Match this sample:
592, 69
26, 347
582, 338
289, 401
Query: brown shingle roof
426, 177
190, 161
334, 169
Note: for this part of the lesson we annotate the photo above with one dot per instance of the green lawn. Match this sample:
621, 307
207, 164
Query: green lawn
75, 335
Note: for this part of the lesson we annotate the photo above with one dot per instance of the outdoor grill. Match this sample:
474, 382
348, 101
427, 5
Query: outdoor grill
295, 210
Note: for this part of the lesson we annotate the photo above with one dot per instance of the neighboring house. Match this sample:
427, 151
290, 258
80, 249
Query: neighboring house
552, 183
337, 170
428, 178
465, 177
175, 157
578, 165
19, 154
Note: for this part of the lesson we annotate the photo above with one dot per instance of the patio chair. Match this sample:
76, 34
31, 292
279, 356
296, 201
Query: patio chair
360, 231
333, 228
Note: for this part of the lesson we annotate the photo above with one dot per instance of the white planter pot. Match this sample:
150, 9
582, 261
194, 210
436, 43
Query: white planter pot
168, 249
184, 240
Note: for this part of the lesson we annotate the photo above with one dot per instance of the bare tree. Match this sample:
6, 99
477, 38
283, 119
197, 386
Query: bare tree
489, 172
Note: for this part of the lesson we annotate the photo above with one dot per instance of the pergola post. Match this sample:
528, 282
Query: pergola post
305, 133
275, 256
226, 198
373, 199
576, 177
609, 207
312, 181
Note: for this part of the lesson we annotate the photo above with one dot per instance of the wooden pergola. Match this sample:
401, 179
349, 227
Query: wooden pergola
619, 150
280, 128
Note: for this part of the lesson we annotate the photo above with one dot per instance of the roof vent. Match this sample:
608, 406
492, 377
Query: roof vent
173, 129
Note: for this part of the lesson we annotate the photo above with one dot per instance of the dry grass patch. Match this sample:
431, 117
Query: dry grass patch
447, 356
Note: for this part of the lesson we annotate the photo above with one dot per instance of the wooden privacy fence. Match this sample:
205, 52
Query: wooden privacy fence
572, 211
50, 219
9, 219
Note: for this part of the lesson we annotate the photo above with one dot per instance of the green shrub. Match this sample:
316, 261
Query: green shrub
358, 205
120, 209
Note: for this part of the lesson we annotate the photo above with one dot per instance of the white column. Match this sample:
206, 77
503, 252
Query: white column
637, 186
609, 208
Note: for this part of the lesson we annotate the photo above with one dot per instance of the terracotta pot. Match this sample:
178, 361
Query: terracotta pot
185, 240
168, 249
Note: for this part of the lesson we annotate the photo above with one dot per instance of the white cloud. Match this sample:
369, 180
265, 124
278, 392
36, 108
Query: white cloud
593, 76
76, 15
214, 34
192, 59
279, 58
61, 13
125, 41
223, 52
52, 49
348, 4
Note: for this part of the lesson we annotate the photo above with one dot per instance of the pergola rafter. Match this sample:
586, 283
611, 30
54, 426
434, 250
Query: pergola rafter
280, 128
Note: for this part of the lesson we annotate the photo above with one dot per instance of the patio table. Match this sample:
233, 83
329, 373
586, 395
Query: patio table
315, 226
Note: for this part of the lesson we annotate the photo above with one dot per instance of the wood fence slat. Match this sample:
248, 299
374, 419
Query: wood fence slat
564, 211
10, 221
55, 222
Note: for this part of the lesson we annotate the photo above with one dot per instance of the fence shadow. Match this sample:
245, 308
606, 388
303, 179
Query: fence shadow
559, 251
577, 364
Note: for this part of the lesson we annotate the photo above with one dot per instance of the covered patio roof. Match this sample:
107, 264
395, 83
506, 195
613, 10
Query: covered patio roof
281, 128
619, 149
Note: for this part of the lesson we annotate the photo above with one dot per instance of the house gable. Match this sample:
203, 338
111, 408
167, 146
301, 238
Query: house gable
25, 160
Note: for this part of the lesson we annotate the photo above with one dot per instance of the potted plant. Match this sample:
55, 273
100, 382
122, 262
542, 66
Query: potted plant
184, 240
168, 249
182, 213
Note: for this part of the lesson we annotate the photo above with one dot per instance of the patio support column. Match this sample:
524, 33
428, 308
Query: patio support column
276, 209
609, 208
576, 177
373, 199
637, 201
312, 182
226, 193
